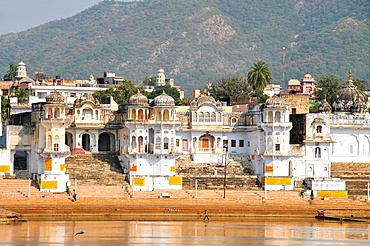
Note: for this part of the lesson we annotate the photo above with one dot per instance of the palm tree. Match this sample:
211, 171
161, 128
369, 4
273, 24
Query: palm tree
22, 94
259, 76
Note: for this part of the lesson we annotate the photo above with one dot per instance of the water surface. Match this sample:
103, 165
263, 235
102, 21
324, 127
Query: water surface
250, 232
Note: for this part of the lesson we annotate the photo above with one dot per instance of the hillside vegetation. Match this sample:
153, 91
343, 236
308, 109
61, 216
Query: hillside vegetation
197, 41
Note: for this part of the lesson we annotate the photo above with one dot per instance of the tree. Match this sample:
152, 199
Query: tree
150, 81
327, 86
4, 108
259, 76
10, 75
22, 94
361, 84
173, 92
124, 91
230, 86
120, 94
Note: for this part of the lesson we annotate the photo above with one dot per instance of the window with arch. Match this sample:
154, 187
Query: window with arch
158, 143
201, 117
206, 117
317, 152
133, 142
319, 129
233, 120
219, 117
277, 116
213, 117
270, 117
56, 147
194, 142
166, 115
165, 143
195, 117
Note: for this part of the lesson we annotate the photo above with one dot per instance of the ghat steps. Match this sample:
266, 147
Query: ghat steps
356, 175
212, 175
19, 189
96, 169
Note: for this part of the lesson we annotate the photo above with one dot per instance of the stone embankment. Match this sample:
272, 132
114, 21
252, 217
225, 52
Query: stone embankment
115, 202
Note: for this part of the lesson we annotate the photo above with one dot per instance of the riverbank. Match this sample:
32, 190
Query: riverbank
183, 205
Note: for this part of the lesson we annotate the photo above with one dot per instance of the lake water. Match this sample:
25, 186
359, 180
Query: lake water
250, 232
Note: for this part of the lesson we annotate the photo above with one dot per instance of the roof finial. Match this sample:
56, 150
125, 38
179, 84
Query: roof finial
350, 77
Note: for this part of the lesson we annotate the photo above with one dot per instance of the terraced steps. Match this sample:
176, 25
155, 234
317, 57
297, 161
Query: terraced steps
212, 176
96, 169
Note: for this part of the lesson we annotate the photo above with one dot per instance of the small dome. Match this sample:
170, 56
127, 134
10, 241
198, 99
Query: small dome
205, 100
218, 104
348, 97
163, 100
325, 107
160, 70
359, 107
308, 77
275, 100
55, 97
21, 63
138, 100
86, 98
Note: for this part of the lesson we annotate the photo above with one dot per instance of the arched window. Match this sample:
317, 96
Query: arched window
317, 152
319, 129
195, 117
270, 117
207, 118
165, 143
133, 114
213, 117
194, 142
158, 143
201, 117
278, 117
133, 143
158, 115
140, 114
166, 115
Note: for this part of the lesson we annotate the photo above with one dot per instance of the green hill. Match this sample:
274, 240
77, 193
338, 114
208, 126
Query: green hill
196, 41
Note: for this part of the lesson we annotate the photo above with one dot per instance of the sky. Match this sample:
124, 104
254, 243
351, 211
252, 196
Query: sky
20, 15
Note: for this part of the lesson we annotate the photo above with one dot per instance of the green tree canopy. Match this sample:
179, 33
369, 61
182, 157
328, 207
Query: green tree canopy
21, 93
151, 81
230, 86
4, 108
259, 76
361, 84
120, 94
173, 92
10, 75
327, 86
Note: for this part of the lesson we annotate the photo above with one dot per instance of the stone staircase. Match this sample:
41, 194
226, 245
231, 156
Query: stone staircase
18, 189
212, 176
356, 175
96, 169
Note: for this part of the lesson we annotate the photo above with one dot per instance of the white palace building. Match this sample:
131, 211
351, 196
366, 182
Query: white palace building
284, 142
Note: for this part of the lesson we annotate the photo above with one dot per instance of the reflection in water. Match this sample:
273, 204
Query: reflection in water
250, 232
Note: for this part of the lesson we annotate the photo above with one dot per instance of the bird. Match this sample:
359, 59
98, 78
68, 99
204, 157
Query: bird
80, 232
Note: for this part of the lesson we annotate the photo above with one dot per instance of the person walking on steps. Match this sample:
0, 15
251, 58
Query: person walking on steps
206, 218
74, 195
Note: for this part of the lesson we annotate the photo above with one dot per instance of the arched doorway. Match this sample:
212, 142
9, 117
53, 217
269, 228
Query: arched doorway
20, 160
206, 142
69, 140
86, 142
104, 143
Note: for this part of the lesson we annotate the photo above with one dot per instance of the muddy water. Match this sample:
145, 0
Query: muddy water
251, 232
